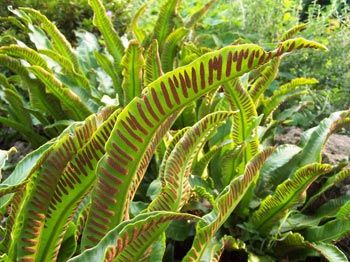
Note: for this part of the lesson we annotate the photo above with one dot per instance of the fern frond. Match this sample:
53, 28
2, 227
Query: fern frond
132, 63
170, 47
103, 23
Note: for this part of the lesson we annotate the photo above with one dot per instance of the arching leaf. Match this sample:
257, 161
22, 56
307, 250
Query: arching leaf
170, 47
330, 182
40, 191
139, 122
59, 42
178, 165
25, 53
153, 67
165, 22
176, 138
75, 182
331, 231
226, 203
268, 179
105, 26
138, 32
286, 91
130, 239
68, 98
199, 14
132, 63
286, 196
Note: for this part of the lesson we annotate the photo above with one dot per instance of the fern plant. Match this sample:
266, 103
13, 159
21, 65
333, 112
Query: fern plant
112, 185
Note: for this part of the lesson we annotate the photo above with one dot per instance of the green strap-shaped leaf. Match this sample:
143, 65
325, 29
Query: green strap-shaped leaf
59, 42
331, 231
200, 166
331, 181
312, 148
129, 240
267, 180
153, 68
168, 151
38, 98
293, 31
15, 204
67, 66
178, 165
199, 14
264, 80
132, 63
165, 22
40, 192
330, 208
286, 91
295, 246
75, 182
170, 47
138, 32
331, 252
344, 211
239, 99
24, 169
5, 83
25, 53
103, 23
226, 203
287, 195
139, 122
67, 97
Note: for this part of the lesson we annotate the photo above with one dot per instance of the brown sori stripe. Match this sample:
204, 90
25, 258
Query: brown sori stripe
166, 95
176, 81
116, 166
150, 109
202, 74
228, 64
131, 132
211, 71
251, 59
101, 218
127, 141
137, 124
93, 230
108, 199
103, 208
107, 188
183, 85
118, 158
239, 61
143, 115
291, 46
194, 80
246, 52
262, 59
157, 102
174, 91
234, 57
122, 152
187, 79
110, 176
